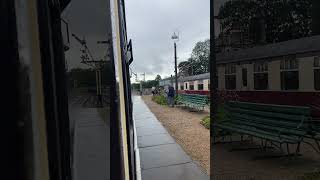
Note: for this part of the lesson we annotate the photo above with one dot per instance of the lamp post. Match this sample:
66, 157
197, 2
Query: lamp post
175, 38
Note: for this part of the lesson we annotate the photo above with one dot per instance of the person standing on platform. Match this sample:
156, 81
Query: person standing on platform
171, 96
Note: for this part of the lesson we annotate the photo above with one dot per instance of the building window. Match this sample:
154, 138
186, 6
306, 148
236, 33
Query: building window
289, 73
200, 86
260, 75
186, 86
191, 87
209, 86
230, 76
244, 77
181, 87
316, 73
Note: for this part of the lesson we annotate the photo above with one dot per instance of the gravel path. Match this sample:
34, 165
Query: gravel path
185, 127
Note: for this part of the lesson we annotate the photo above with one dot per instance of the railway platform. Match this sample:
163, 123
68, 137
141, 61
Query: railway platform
91, 146
161, 157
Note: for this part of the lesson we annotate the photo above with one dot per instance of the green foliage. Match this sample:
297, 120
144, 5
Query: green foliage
284, 20
200, 57
310, 176
83, 77
221, 116
198, 63
150, 84
158, 78
160, 99
206, 122
135, 86
147, 84
185, 68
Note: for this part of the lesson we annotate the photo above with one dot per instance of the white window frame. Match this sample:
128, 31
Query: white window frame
230, 70
285, 66
316, 68
287, 62
263, 68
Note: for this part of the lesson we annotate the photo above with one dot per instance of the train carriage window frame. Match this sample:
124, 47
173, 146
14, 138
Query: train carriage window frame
289, 73
200, 85
230, 77
244, 77
316, 71
260, 75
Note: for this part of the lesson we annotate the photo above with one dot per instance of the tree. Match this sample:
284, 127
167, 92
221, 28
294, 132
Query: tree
158, 78
198, 63
284, 20
83, 77
200, 57
185, 68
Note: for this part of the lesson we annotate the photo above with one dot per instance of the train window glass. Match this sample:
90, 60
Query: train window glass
260, 75
200, 86
191, 87
289, 80
244, 77
289, 73
261, 81
230, 82
317, 73
230, 76
317, 79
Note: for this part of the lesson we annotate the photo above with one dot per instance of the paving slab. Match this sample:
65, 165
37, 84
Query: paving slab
146, 131
188, 171
155, 139
149, 123
162, 155
91, 157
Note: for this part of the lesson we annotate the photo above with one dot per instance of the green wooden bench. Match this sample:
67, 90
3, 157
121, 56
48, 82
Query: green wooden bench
314, 134
193, 100
273, 123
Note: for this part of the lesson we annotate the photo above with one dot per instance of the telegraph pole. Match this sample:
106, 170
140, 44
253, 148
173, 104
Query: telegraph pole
144, 80
175, 38
175, 67
89, 60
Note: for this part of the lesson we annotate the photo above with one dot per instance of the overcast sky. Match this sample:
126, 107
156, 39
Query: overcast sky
150, 25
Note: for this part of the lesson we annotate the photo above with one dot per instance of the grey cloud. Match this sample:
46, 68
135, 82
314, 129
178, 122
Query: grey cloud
150, 25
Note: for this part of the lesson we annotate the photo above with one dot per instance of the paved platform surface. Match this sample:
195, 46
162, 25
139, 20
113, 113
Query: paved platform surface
161, 157
91, 147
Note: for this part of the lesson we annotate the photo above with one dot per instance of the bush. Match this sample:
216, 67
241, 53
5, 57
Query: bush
221, 116
206, 122
160, 99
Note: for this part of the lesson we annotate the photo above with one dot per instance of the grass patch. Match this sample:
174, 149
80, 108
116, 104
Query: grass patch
160, 99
